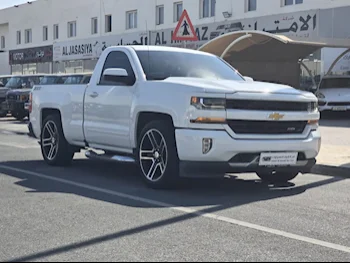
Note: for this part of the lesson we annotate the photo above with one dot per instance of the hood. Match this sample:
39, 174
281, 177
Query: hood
336, 95
231, 86
19, 91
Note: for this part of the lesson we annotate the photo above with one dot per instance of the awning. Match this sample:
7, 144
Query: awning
263, 56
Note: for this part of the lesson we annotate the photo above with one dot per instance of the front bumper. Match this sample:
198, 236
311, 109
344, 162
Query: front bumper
229, 155
14, 106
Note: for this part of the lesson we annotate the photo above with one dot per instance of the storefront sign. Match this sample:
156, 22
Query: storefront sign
93, 47
299, 26
31, 55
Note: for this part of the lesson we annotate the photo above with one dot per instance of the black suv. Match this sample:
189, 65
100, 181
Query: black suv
18, 90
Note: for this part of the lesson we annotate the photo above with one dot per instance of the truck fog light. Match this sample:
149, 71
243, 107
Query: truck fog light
207, 144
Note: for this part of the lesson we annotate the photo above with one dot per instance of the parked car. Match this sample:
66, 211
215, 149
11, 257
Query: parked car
334, 93
178, 113
17, 95
3, 91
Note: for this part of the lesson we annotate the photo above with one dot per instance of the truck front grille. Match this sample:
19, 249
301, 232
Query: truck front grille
263, 105
267, 127
339, 103
11, 97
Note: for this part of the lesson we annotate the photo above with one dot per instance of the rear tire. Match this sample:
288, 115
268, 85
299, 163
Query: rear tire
277, 177
3, 114
55, 149
157, 155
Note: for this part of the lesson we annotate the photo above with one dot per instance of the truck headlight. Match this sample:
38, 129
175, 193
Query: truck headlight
24, 98
208, 103
313, 106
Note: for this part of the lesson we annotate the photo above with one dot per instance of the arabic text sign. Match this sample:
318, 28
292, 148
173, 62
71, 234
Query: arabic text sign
299, 26
31, 55
93, 47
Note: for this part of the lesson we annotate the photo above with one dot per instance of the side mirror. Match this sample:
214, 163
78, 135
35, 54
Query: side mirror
249, 79
115, 72
2, 84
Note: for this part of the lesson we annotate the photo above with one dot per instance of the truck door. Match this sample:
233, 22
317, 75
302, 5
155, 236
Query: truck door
108, 106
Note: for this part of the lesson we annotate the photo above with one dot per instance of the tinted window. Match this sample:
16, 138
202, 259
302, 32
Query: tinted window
335, 83
86, 80
73, 80
4, 80
48, 80
17, 82
160, 65
118, 59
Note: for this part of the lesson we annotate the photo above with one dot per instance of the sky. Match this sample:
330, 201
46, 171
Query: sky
8, 3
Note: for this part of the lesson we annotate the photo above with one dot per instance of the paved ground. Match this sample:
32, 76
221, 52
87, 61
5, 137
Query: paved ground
96, 211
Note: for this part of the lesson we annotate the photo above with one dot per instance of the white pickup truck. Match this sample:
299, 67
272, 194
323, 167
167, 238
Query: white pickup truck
178, 113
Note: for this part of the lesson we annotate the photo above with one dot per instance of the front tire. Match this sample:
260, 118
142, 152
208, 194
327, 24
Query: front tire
157, 155
19, 116
277, 177
54, 146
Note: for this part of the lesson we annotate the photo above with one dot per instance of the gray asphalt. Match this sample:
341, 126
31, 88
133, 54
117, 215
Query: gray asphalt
49, 220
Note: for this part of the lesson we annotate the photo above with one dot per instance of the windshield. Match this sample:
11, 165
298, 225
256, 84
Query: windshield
335, 83
160, 65
14, 82
17, 82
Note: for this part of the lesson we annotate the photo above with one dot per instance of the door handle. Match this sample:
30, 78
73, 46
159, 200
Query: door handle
94, 95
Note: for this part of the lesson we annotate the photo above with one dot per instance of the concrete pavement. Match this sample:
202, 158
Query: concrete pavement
94, 211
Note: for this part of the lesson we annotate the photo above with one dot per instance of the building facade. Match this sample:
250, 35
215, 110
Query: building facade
48, 36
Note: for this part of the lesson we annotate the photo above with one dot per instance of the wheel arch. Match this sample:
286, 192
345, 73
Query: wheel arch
145, 117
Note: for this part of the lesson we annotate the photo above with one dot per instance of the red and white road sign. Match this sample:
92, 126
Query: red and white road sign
184, 30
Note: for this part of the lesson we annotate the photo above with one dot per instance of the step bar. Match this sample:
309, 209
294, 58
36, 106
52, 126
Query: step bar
112, 158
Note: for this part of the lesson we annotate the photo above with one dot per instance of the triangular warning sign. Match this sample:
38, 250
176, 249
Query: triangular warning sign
184, 30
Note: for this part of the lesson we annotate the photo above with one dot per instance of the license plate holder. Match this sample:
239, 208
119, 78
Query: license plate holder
278, 159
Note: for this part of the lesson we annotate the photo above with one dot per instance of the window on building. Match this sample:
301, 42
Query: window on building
19, 37
131, 19
207, 8
56, 32
45, 33
252, 5
160, 15
72, 29
292, 2
3, 44
108, 23
178, 8
94, 25
28, 36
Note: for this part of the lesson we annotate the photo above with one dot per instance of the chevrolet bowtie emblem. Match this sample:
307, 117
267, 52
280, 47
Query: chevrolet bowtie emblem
276, 116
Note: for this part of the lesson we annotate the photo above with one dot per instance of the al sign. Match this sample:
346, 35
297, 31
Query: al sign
93, 47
